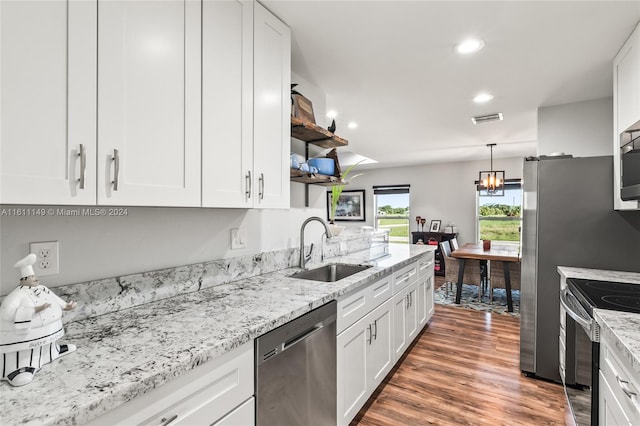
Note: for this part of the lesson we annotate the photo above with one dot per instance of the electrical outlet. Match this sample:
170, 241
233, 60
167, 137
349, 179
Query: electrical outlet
238, 238
47, 258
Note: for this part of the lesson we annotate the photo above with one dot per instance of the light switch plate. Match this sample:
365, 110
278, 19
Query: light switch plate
47, 258
238, 238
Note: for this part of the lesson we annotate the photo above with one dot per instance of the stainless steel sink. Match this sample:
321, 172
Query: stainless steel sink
330, 273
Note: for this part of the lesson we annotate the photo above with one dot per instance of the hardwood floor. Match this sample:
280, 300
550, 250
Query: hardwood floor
464, 370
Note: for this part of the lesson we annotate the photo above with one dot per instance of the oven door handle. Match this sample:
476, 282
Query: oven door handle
577, 317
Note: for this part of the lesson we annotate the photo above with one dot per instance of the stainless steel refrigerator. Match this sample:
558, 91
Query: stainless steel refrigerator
568, 220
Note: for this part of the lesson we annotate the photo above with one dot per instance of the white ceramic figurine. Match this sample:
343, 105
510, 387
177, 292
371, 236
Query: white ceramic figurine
30, 325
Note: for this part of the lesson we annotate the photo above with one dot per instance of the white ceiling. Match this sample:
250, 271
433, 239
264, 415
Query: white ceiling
391, 67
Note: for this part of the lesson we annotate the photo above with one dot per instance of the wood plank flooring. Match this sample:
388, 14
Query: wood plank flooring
464, 370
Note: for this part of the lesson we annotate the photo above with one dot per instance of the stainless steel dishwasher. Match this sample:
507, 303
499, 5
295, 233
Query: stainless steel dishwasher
296, 371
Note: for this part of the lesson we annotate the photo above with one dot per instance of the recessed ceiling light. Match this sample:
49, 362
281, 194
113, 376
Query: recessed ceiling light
482, 98
352, 125
332, 114
469, 46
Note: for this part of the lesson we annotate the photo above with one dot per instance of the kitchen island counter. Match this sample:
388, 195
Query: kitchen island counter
122, 355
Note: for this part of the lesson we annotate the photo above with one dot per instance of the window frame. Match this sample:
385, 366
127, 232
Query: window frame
508, 182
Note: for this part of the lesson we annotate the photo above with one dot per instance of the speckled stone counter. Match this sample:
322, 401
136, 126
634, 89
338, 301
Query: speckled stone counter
124, 354
622, 328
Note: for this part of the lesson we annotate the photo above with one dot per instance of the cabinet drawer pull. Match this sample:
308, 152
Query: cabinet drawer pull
261, 180
82, 153
370, 335
625, 387
375, 328
116, 168
248, 183
165, 421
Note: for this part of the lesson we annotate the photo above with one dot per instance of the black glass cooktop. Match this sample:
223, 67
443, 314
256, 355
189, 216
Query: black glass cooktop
606, 295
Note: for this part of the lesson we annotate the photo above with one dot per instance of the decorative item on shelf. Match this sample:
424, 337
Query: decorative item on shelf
448, 229
295, 163
332, 127
486, 245
301, 107
491, 182
418, 224
337, 172
31, 324
422, 222
435, 226
352, 205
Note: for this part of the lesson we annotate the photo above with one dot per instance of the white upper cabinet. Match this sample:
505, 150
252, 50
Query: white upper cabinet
626, 105
227, 103
149, 102
48, 102
272, 108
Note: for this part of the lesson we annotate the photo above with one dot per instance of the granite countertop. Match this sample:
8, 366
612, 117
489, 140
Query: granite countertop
124, 354
622, 328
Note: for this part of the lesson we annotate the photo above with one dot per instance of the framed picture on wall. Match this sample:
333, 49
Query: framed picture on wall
350, 206
435, 226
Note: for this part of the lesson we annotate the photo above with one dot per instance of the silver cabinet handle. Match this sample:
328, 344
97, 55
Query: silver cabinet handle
249, 184
116, 168
406, 298
370, 335
261, 180
165, 421
82, 153
625, 387
375, 328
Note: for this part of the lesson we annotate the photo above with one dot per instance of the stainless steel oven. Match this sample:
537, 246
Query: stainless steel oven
582, 339
630, 163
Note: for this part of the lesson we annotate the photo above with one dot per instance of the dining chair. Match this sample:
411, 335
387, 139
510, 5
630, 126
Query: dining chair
452, 266
454, 243
496, 276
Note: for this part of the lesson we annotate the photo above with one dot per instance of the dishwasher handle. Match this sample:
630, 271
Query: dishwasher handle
299, 338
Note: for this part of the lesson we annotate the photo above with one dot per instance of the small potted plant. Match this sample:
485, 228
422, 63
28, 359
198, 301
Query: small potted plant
335, 197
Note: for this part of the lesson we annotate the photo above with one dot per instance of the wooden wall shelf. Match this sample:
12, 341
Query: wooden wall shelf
315, 179
312, 133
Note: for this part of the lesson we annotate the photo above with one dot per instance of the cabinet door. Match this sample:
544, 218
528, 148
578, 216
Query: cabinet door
149, 102
412, 313
48, 102
352, 347
627, 76
272, 109
430, 298
626, 106
421, 301
610, 411
227, 99
243, 415
400, 306
380, 356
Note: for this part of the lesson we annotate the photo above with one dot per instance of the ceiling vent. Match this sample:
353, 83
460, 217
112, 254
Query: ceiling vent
486, 118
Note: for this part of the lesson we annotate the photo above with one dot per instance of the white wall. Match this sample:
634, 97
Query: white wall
438, 191
583, 129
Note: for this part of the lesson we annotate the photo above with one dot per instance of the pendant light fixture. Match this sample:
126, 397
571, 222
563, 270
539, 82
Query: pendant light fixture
491, 182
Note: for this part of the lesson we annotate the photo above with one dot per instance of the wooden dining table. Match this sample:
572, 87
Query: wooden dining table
500, 252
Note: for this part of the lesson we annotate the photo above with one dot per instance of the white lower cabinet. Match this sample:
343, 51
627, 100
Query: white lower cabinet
405, 319
364, 358
619, 399
425, 290
219, 391
244, 415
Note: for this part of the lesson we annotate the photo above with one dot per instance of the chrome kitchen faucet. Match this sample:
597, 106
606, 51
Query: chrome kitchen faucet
305, 258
